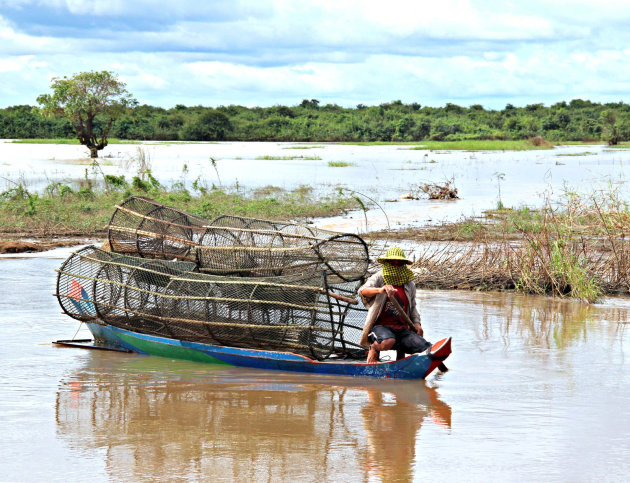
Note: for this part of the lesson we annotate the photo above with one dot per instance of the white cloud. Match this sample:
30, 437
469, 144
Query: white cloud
20, 63
344, 51
93, 7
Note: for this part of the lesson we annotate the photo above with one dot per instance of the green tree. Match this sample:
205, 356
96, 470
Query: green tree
210, 125
609, 120
403, 127
91, 101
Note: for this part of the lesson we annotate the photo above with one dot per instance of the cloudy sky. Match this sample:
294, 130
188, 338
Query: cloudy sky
268, 52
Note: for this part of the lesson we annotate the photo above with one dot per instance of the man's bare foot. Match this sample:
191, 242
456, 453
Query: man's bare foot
373, 356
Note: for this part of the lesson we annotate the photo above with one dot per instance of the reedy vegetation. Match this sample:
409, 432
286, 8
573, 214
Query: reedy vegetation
576, 247
61, 211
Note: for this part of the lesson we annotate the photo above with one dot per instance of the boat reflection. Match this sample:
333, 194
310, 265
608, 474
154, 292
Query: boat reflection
392, 426
153, 417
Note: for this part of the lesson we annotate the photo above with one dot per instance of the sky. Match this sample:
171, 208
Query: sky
345, 52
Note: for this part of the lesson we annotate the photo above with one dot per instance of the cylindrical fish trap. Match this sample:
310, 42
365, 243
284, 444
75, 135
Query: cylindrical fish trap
298, 313
95, 284
146, 228
263, 253
233, 245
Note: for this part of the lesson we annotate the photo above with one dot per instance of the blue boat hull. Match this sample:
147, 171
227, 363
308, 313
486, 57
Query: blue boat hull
415, 366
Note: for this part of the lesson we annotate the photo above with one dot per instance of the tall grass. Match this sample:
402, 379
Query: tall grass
576, 247
62, 210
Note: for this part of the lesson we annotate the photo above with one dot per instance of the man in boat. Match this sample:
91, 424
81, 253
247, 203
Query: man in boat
385, 327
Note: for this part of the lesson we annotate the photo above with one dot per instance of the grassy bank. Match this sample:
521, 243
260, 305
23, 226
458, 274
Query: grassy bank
485, 145
467, 145
62, 212
70, 141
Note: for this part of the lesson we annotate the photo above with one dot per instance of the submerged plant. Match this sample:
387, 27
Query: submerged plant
499, 177
141, 161
216, 169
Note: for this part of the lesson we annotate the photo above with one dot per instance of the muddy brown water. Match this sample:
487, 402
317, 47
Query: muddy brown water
538, 389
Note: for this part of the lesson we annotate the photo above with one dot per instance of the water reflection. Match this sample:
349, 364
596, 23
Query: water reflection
516, 320
391, 427
155, 417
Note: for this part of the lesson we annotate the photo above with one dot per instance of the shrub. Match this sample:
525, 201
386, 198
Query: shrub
116, 182
140, 184
538, 141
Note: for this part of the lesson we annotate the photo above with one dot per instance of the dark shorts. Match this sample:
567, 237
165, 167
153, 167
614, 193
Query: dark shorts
408, 341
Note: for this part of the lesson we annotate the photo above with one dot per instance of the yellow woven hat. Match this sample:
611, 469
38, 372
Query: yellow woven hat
394, 253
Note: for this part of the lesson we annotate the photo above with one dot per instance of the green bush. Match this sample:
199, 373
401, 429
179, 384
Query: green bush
116, 182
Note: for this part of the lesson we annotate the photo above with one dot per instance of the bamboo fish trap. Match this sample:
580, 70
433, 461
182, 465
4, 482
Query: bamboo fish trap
233, 245
302, 313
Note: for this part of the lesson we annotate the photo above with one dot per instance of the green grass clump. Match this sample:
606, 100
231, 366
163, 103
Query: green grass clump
482, 145
591, 142
268, 190
340, 164
552, 265
468, 229
584, 153
523, 220
287, 158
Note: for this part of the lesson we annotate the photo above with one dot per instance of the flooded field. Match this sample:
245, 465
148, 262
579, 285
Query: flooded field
382, 173
538, 389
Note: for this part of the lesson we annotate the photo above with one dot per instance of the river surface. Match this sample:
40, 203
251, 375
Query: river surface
379, 173
539, 390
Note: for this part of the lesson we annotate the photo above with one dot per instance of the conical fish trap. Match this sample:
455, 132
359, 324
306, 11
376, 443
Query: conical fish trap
166, 298
232, 245
148, 229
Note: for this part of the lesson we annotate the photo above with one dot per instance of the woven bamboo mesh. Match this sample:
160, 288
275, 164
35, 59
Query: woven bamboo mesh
143, 227
170, 299
233, 245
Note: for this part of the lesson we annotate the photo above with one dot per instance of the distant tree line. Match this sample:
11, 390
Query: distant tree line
578, 120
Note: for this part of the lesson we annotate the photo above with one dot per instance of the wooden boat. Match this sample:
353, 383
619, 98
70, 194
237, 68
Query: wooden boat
415, 366
256, 294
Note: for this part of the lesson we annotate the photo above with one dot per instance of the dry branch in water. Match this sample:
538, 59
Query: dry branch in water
436, 192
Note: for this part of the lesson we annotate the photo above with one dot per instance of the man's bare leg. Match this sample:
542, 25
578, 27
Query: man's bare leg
376, 348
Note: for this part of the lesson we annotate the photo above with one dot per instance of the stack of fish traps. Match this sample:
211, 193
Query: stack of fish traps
232, 281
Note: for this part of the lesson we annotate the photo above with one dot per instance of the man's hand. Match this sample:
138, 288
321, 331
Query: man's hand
389, 290
419, 329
